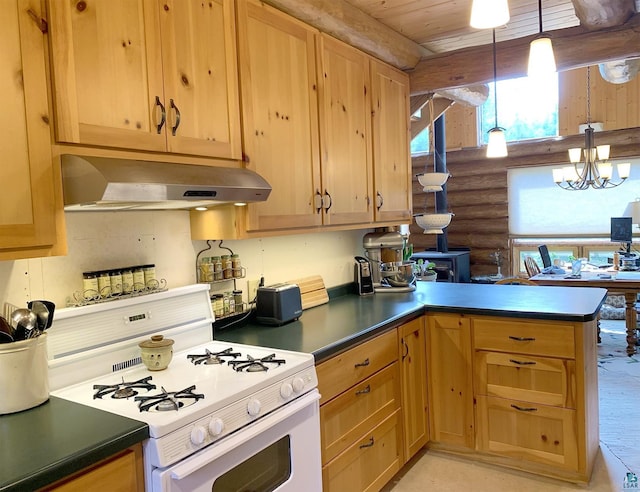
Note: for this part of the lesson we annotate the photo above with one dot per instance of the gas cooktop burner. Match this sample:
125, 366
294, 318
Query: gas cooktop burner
168, 400
209, 357
255, 365
123, 389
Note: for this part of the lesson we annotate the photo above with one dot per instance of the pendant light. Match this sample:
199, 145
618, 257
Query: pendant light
497, 146
541, 58
486, 14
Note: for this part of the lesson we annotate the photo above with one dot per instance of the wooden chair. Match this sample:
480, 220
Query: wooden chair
515, 281
531, 266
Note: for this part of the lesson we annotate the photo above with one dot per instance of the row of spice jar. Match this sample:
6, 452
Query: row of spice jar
215, 268
227, 304
118, 281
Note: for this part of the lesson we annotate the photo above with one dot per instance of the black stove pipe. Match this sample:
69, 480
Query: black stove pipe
440, 144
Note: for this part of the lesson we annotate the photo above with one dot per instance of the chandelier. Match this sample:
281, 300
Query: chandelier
595, 171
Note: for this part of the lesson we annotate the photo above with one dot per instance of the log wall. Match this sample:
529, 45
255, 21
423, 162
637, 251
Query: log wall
477, 190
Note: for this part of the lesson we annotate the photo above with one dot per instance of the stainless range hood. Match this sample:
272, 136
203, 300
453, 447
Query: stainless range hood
98, 183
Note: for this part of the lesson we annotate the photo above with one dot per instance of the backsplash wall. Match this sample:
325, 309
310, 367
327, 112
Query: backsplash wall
104, 240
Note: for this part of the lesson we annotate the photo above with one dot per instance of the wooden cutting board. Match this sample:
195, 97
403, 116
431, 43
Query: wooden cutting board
312, 291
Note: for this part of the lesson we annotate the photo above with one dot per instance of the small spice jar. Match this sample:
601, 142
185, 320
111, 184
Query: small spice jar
115, 279
205, 272
217, 268
150, 281
227, 268
104, 284
90, 289
236, 266
138, 278
237, 297
217, 305
127, 280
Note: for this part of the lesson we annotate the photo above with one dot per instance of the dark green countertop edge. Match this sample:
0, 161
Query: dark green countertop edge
349, 319
58, 438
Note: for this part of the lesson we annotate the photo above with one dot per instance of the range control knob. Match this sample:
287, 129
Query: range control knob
198, 435
253, 407
216, 426
286, 390
298, 384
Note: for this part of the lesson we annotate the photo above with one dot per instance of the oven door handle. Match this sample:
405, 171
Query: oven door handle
219, 448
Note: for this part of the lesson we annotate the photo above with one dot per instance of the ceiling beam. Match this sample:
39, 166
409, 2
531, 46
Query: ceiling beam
573, 47
349, 24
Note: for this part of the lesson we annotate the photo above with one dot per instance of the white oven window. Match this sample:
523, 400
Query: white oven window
265, 470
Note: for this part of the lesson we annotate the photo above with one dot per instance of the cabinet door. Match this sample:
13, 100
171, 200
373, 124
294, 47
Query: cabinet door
391, 159
107, 73
345, 133
278, 86
27, 209
413, 367
200, 77
450, 380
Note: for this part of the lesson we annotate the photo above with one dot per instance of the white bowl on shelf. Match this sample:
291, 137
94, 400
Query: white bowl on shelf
432, 182
433, 223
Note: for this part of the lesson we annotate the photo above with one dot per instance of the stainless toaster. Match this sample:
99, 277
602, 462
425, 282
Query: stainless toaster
278, 304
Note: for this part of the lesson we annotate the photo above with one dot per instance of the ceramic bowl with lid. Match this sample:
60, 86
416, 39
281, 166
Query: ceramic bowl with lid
157, 352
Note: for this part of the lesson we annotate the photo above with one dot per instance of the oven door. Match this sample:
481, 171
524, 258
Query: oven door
280, 452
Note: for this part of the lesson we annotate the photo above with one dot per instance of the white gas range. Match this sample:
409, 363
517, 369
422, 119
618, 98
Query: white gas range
221, 416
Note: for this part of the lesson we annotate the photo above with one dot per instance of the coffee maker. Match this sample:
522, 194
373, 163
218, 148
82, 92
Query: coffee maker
384, 248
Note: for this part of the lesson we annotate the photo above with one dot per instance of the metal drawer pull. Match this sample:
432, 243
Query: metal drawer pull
522, 339
364, 391
523, 363
368, 445
531, 409
362, 364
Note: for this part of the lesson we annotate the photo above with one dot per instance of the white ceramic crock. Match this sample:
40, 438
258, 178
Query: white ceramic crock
24, 374
157, 352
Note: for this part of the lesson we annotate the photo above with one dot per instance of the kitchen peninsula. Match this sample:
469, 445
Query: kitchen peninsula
453, 331
504, 374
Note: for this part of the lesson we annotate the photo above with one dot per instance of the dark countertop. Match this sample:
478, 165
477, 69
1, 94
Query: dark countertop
58, 438
331, 328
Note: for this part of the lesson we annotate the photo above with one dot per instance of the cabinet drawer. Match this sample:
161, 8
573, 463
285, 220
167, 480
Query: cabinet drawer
363, 406
528, 378
524, 337
343, 371
529, 432
369, 463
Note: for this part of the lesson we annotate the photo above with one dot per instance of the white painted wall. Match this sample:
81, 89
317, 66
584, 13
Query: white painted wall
103, 240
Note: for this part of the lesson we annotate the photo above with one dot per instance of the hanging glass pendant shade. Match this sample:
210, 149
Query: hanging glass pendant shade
487, 14
541, 58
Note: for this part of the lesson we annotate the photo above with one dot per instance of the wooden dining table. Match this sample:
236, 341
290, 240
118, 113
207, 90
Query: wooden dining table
625, 283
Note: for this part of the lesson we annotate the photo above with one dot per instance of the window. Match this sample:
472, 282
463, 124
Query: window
539, 208
526, 109
420, 143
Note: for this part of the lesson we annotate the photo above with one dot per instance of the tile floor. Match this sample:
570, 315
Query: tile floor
619, 388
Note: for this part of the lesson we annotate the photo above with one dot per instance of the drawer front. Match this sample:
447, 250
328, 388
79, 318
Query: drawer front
362, 407
529, 432
524, 337
528, 378
369, 463
344, 370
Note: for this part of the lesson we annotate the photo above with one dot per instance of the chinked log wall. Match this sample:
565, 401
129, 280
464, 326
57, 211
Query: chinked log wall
477, 191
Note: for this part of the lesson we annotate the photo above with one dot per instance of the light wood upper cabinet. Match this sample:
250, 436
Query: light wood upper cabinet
278, 84
27, 205
391, 129
345, 133
146, 75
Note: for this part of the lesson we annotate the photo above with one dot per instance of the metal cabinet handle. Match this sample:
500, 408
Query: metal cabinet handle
368, 445
326, 194
362, 364
163, 113
364, 391
380, 200
317, 201
406, 349
522, 339
524, 409
523, 363
174, 128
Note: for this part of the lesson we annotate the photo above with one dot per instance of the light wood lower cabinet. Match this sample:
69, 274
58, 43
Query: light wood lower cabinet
360, 416
449, 364
413, 377
122, 472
